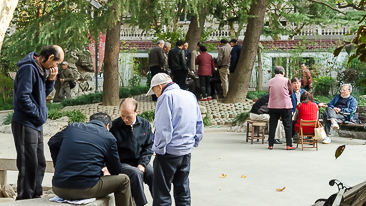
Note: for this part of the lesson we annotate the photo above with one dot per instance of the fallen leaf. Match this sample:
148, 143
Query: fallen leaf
243, 176
351, 138
280, 190
339, 151
223, 175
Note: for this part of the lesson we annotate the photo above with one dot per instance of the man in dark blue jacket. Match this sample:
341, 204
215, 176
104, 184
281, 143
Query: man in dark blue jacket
34, 81
235, 53
177, 63
82, 154
133, 134
187, 54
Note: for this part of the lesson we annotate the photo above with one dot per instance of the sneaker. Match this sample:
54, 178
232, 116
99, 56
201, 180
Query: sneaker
327, 140
290, 148
335, 125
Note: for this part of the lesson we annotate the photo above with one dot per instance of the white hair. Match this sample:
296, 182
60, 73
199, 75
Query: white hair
349, 86
160, 42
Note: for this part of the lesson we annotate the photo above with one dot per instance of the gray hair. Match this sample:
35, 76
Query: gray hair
349, 86
279, 70
160, 42
167, 44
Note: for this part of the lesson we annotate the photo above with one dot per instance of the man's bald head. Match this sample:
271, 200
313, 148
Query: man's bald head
129, 110
51, 56
129, 104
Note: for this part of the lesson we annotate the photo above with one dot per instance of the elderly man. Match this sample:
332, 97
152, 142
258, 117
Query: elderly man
34, 81
85, 156
339, 109
157, 60
177, 63
133, 134
65, 78
223, 64
187, 54
280, 105
178, 128
167, 47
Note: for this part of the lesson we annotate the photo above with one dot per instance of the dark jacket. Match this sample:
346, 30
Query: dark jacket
134, 146
351, 104
258, 104
79, 153
156, 57
31, 88
206, 64
187, 54
176, 59
66, 74
294, 100
235, 53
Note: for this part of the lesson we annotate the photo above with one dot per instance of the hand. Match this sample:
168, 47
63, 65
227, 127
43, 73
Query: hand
53, 73
322, 105
62, 80
141, 168
105, 171
336, 109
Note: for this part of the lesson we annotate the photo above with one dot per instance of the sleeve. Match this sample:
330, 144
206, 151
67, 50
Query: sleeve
220, 57
198, 60
189, 55
26, 79
69, 76
112, 159
199, 128
54, 144
170, 59
352, 107
49, 86
146, 152
163, 125
332, 102
161, 57
296, 115
290, 89
183, 60
212, 66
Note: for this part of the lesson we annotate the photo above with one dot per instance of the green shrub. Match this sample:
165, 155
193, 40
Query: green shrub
6, 105
124, 92
323, 85
240, 118
54, 106
256, 94
76, 116
8, 117
148, 79
6, 86
149, 115
134, 81
207, 120
55, 114
84, 99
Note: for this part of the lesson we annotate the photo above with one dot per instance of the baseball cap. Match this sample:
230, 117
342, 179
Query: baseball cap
63, 63
159, 78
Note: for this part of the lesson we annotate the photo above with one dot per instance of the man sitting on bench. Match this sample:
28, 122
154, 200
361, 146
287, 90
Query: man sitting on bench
339, 109
84, 157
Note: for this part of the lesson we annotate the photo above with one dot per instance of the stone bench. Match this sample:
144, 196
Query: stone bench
10, 164
106, 201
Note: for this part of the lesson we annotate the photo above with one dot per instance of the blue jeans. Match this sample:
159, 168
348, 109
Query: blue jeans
170, 169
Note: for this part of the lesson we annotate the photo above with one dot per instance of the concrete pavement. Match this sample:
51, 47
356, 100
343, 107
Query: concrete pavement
304, 174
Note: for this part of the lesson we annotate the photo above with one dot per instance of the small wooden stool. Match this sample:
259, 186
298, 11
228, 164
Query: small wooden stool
256, 124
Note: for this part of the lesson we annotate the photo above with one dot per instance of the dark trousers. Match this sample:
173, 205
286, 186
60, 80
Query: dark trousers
170, 169
205, 86
31, 162
274, 116
331, 114
138, 179
117, 184
155, 70
180, 78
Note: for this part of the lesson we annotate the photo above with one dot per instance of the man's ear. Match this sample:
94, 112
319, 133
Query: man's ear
107, 127
137, 111
51, 57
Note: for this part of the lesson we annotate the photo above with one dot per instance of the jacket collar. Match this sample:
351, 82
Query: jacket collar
171, 86
96, 122
121, 123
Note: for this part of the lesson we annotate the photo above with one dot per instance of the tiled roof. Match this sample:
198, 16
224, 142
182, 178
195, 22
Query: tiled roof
272, 45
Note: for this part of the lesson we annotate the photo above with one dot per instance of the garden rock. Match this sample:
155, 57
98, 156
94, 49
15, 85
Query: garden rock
7, 191
5, 129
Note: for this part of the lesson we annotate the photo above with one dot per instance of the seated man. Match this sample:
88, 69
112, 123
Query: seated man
260, 111
134, 142
80, 154
339, 109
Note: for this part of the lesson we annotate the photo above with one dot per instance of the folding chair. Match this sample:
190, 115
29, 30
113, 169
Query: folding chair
300, 137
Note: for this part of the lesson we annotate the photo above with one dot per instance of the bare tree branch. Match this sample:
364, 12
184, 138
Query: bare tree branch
362, 8
325, 4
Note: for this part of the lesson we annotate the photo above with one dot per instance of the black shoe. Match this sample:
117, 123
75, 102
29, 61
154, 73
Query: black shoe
277, 141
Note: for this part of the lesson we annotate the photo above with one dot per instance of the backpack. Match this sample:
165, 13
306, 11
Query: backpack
72, 84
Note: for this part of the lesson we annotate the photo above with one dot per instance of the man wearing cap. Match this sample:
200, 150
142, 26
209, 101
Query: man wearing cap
65, 78
178, 128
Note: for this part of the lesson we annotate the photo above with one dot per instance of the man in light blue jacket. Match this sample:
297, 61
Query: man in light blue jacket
178, 128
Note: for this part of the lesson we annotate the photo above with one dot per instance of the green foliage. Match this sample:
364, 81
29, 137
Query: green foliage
256, 94
134, 81
7, 105
74, 116
55, 106
242, 117
171, 37
207, 120
6, 86
84, 99
149, 115
323, 85
7, 118
148, 79
211, 47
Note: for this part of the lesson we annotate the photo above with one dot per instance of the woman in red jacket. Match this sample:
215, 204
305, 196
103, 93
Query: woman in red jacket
306, 110
206, 67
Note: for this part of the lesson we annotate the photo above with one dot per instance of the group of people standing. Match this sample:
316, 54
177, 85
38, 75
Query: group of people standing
94, 159
181, 63
288, 101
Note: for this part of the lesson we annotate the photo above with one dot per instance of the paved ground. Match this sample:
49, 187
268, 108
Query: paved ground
304, 174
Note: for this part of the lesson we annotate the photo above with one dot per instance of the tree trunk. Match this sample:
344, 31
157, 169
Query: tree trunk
195, 29
7, 8
260, 72
111, 75
240, 83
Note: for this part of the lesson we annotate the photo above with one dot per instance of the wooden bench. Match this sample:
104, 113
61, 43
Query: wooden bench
11, 164
360, 112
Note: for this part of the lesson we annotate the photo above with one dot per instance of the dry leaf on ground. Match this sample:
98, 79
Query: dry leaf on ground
280, 190
243, 176
223, 175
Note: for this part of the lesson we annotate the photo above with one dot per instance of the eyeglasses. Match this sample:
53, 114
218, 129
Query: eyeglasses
343, 90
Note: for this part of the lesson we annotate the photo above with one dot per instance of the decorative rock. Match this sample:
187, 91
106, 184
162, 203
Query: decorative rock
8, 191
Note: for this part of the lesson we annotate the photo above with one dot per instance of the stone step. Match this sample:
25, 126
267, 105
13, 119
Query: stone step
107, 201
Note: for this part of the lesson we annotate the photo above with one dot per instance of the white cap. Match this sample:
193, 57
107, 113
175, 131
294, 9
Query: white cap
159, 78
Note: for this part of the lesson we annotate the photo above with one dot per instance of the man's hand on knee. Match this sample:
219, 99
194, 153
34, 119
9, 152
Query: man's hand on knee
141, 168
